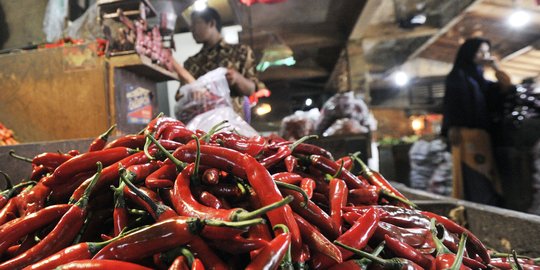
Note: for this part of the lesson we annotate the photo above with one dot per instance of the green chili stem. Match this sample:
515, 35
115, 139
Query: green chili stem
301, 140
12, 154
459, 255
297, 189
243, 215
178, 163
234, 224
9, 184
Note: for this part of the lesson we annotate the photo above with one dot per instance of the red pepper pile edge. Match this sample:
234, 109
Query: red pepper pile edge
219, 200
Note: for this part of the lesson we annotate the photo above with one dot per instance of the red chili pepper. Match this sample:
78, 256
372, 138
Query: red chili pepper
110, 174
451, 226
32, 199
316, 240
445, 259
158, 124
197, 265
12, 232
129, 141
9, 211
61, 194
252, 146
86, 162
346, 162
215, 157
403, 250
50, 159
308, 185
162, 177
357, 236
270, 257
313, 213
101, 265
180, 263
376, 179
39, 171
176, 133
120, 215
389, 264
227, 190
282, 152
185, 203
239, 245
81, 251
338, 199
201, 250
61, 236
310, 149
288, 177
258, 177
154, 206
364, 196
159, 237
419, 238
6, 195
210, 200
99, 142
328, 166
404, 217
210, 176
290, 163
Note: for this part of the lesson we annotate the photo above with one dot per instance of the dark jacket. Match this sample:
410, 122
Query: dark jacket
468, 102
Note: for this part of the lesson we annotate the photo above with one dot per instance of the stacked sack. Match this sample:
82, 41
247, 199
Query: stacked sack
431, 166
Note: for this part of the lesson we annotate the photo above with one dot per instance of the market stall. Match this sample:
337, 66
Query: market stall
309, 138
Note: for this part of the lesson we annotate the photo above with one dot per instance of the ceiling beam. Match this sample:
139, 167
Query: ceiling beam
362, 24
390, 31
296, 38
291, 73
443, 30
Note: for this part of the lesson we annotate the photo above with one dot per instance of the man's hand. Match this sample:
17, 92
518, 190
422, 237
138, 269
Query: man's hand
238, 83
232, 76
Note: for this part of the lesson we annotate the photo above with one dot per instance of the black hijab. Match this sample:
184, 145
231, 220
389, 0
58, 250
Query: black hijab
465, 60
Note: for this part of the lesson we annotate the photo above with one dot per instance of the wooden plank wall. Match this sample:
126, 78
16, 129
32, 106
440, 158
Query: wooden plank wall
42, 98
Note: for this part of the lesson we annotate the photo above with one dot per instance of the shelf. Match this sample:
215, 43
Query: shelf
143, 66
131, 8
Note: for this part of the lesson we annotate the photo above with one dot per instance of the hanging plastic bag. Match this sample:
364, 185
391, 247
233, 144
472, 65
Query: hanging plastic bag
299, 124
207, 120
342, 105
210, 91
54, 20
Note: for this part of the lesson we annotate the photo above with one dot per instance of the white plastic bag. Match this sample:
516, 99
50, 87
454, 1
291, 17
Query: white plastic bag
207, 120
210, 91
53, 22
299, 124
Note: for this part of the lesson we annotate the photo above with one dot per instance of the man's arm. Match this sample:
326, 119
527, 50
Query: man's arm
241, 84
185, 76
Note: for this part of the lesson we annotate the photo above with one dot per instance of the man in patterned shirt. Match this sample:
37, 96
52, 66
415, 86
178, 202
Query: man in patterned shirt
238, 59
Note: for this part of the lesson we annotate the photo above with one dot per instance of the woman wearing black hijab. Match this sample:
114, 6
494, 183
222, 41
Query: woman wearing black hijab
470, 102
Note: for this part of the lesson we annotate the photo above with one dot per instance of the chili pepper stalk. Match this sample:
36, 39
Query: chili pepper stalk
389, 264
101, 140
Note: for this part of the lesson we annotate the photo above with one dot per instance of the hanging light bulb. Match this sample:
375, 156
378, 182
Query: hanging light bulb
519, 18
401, 78
200, 5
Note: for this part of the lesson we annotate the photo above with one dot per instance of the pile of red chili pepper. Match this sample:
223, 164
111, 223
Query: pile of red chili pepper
173, 198
6, 136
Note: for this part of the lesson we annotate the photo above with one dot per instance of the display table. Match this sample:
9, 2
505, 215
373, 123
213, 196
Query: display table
70, 92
